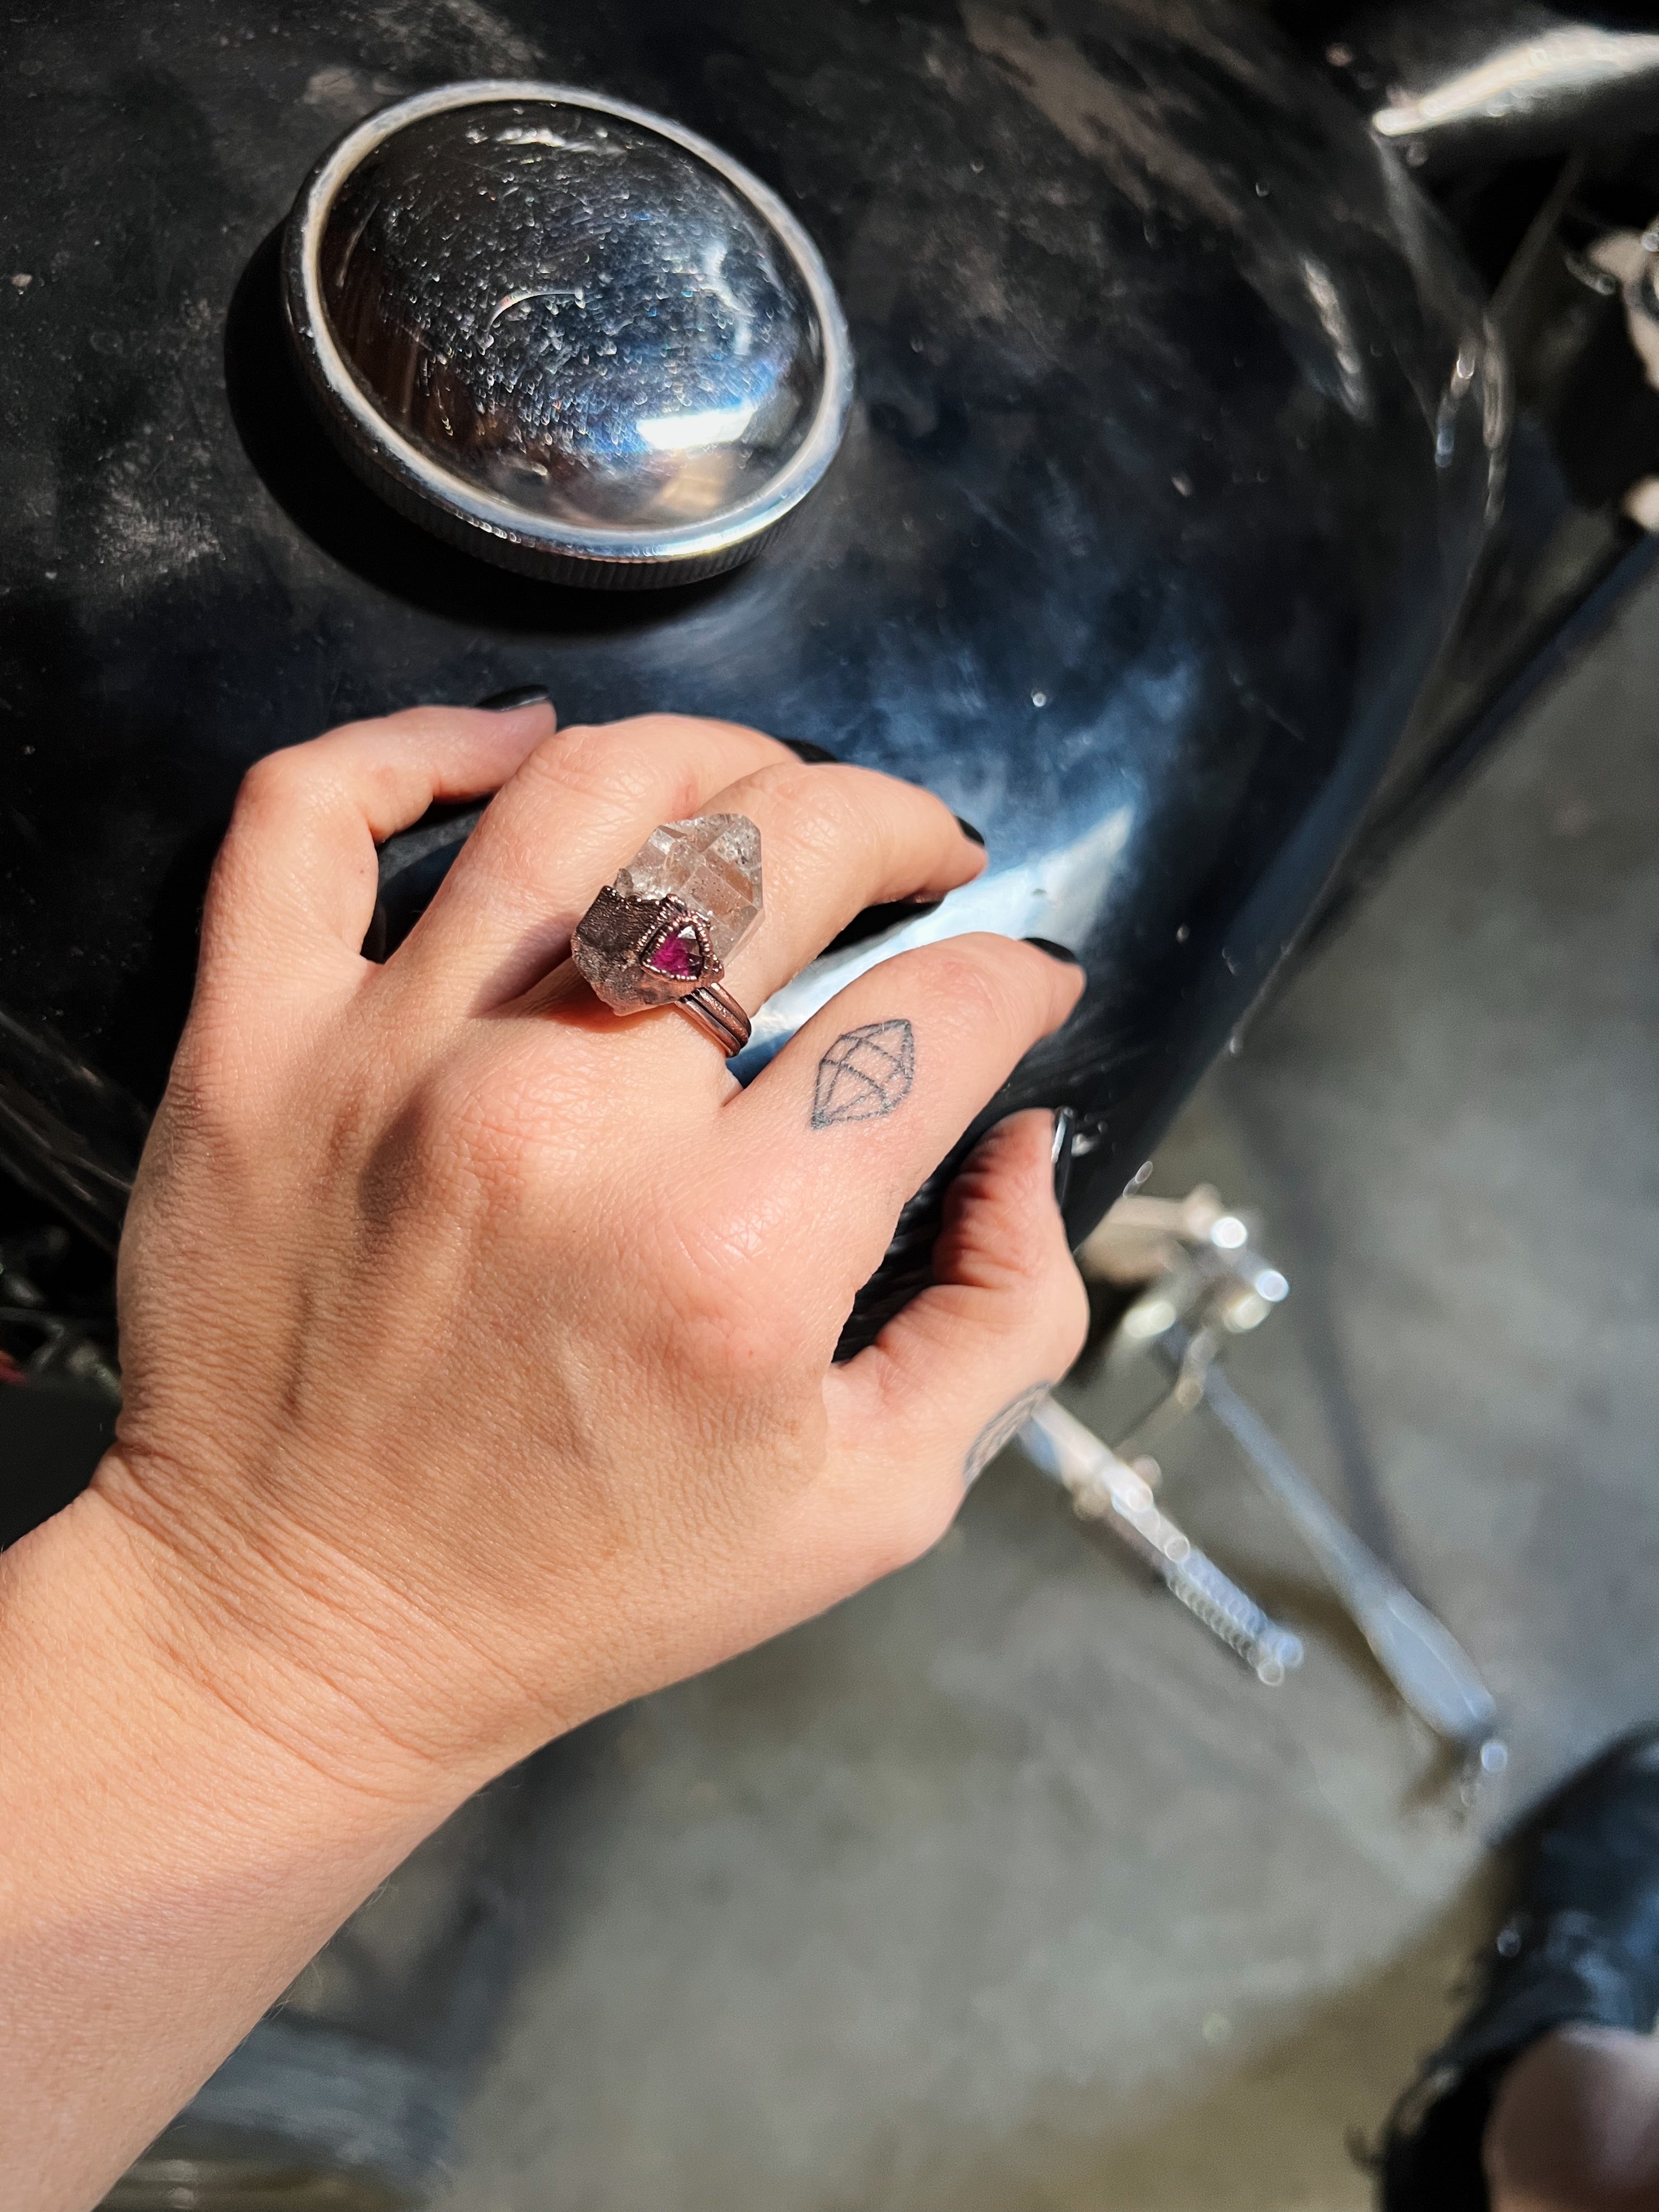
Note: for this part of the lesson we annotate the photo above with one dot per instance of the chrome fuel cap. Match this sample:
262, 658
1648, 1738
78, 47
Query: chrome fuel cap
565, 333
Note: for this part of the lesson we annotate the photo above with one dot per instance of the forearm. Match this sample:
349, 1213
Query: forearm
166, 1866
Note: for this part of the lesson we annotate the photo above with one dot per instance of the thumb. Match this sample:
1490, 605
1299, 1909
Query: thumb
952, 1378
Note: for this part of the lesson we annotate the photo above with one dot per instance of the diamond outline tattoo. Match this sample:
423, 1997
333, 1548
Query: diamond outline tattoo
865, 1075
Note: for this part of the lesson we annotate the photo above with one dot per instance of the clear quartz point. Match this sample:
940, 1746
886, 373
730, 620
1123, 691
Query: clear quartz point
712, 863
625, 946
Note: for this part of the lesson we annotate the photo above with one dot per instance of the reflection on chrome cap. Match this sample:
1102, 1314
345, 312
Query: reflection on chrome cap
565, 332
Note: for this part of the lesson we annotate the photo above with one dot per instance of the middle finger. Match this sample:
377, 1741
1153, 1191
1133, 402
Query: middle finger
835, 839
576, 811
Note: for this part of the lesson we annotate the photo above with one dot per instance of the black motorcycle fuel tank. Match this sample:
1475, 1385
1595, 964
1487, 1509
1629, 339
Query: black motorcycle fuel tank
1174, 435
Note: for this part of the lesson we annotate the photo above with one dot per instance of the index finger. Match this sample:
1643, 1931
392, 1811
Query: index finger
293, 890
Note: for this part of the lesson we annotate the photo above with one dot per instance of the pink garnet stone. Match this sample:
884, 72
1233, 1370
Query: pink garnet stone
679, 955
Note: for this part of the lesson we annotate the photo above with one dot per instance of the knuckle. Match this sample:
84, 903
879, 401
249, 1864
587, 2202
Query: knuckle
685, 730
732, 1345
1047, 1294
275, 783
729, 1319
822, 821
1031, 1236
811, 798
901, 814
267, 775
972, 977
281, 792
827, 804
607, 763
428, 720
725, 1332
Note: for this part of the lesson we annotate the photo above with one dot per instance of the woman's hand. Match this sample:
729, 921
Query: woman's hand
476, 1349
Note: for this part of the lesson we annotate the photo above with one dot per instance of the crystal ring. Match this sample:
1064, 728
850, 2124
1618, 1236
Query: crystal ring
662, 930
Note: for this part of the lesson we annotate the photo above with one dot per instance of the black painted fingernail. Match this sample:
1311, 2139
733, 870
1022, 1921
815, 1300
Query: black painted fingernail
968, 831
1054, 952
814, 756
521, 695
1064, 1130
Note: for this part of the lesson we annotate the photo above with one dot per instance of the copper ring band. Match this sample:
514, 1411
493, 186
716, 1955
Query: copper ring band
718, 1015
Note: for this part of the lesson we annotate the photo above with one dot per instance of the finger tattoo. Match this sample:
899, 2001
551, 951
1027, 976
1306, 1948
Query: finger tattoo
1002, 1429
864, 1074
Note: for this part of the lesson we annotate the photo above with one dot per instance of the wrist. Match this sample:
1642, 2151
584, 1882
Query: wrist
144, 1649
325, 1647
168, 1860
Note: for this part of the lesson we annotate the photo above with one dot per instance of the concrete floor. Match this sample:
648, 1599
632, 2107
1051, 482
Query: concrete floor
1005, 1887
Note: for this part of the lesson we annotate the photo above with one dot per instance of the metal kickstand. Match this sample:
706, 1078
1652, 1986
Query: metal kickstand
1202, 1282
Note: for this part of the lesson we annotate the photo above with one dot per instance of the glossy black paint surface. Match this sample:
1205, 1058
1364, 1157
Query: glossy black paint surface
1160, 486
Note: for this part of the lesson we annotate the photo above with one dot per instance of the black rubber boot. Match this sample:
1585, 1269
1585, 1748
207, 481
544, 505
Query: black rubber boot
1581, 1945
